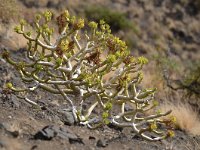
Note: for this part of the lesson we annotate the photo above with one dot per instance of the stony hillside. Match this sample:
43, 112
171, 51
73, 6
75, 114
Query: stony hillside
167, 32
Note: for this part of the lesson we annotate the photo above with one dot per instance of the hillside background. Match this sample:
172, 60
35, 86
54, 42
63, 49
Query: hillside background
167, 32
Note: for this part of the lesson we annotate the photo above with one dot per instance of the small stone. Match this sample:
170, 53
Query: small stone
51, 131
101, 143
67, 118
47, 133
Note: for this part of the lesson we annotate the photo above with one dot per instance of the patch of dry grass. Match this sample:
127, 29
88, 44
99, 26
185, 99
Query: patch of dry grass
187, 119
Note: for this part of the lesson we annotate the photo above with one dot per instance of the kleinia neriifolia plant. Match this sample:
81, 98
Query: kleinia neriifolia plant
76, 65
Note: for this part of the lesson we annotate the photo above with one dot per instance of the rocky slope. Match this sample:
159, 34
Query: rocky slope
165, 31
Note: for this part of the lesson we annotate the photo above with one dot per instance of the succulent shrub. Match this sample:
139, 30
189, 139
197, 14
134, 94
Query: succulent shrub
77, 65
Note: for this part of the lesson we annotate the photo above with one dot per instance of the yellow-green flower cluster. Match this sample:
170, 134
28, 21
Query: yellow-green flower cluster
93, 24
79, 24
111, 58
48, 15
64, 45
142, 60
47, 30
17, 29
9, 85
